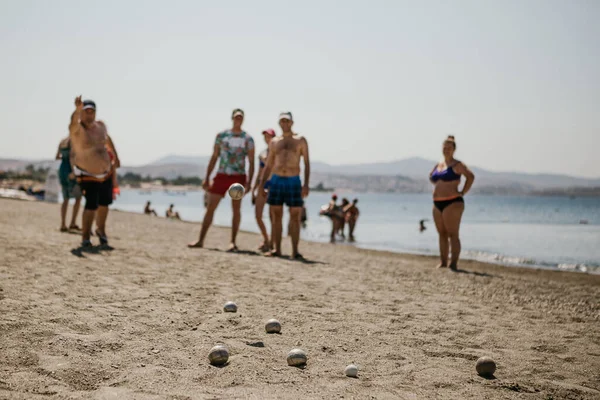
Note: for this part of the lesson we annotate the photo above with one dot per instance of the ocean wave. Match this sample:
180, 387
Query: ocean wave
496, 258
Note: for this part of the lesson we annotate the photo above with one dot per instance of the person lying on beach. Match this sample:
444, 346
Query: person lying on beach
172, 213
286, 188
148, 210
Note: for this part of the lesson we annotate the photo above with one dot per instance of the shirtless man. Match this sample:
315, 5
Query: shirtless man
232, 147
285, 188
92, 167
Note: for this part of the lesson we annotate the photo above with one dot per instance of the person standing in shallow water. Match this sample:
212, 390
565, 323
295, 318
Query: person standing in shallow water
448, 201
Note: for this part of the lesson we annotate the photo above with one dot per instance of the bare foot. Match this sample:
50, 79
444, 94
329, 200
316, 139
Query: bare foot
273, 253
63, 229
195, 245
441, 265
264, 248
232, 248
453, 267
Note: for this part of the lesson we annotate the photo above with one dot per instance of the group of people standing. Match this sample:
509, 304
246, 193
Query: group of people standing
278, 183
340, 215
89, 163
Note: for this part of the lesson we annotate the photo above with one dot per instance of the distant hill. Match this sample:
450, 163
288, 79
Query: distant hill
175, 159
407, 175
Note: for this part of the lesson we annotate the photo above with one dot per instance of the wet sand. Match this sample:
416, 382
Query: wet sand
137, 321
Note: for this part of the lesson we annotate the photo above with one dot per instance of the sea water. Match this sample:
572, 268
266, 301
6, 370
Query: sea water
547, 232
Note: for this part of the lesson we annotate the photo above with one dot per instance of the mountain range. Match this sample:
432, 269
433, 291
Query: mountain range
406, 175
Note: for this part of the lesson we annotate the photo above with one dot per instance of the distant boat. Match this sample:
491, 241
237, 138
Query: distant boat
583, 221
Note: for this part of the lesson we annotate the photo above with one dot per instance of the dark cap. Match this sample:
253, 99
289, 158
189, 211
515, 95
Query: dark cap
236, 112
89, 104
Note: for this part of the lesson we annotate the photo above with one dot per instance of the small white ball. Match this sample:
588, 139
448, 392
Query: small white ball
296, 358
218, 355
351, 371
230, 306
273, 326
236, 191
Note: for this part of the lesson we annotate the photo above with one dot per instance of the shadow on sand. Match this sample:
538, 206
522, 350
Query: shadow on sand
256, 253
464, 271
81, 251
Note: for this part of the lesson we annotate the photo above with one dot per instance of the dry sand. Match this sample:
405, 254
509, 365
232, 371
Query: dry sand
137, 322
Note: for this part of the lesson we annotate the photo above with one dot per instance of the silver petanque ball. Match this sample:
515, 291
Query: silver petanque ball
218, 355
236, 191
296, 358
351, 371
273, 326
230, 306
485, 366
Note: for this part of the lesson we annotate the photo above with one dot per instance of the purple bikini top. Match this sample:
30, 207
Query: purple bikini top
447, 175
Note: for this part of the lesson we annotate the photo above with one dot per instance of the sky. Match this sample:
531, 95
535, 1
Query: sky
517, 82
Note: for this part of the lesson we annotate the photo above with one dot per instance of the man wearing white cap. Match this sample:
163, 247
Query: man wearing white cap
232, 147
286, 188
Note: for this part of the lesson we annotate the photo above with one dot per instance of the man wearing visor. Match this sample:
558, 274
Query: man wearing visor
231, 149
286, 188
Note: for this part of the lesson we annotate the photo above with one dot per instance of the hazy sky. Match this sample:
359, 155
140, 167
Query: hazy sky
517, 82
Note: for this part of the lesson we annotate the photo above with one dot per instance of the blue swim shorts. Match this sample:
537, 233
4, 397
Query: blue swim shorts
285, 190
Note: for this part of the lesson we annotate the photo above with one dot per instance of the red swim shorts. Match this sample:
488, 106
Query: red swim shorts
222, 182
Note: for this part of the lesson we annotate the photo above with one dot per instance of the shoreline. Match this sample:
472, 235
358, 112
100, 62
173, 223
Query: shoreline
571, 268
589, 269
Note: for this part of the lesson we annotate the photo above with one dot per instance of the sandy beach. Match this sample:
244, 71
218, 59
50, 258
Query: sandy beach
137, 321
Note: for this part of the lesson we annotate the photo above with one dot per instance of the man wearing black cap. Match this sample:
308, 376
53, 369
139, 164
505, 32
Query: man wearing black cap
95, 162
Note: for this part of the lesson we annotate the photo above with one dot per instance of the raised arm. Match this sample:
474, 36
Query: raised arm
462, 169
305, 156
76, 117
212, 162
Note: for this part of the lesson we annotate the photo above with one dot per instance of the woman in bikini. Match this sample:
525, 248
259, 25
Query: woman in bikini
448, 202
259, 195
